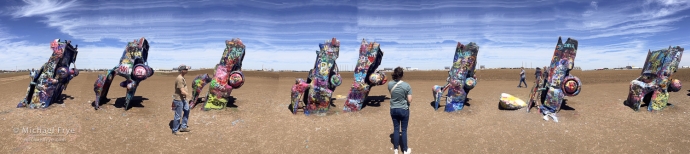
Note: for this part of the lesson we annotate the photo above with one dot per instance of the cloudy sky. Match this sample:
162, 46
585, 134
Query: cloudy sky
284, 34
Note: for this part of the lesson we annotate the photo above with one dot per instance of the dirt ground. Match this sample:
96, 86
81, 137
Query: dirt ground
596, 121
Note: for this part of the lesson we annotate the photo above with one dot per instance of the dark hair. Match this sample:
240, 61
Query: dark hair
397, 73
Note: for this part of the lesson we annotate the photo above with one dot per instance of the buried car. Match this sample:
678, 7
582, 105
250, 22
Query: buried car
656, 80
317, 90
366, 75
227, 76
48, 82
556, 82
133, 67
461, 78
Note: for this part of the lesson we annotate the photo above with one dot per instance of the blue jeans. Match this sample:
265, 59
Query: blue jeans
180, 106
400, 117
522, 80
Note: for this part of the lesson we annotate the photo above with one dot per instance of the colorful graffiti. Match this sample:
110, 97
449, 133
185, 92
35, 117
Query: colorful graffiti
133, 67
461, 78
48, 83
366, 75
656, 81
556, 82
316, 91
226, 77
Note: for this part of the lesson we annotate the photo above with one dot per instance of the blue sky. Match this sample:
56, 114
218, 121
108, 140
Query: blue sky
284, 34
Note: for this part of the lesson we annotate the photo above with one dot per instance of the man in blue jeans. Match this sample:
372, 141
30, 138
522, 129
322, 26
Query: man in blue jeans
401, 95
522, 78
179, 101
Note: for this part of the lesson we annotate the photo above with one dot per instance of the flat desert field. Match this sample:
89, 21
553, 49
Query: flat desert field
596, 121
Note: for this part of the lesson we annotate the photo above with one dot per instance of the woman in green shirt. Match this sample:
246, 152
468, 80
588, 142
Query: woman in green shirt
401, 96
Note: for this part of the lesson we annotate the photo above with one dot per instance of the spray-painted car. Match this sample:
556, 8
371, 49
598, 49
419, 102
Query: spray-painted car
655, 82
48, 83
317, 90
227, 76
366, 75
556, 82
133, 67
461, 78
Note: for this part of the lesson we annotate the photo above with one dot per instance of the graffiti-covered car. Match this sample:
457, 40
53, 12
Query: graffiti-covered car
556, 82
226, 77
317, 90
461, 78
656, 80
133, 67
366, 75
48, 82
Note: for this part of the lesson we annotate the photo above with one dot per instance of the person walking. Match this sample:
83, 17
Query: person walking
522, 78
180, 103
401, 96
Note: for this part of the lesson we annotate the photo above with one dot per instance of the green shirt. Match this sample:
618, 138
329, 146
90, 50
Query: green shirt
399, 94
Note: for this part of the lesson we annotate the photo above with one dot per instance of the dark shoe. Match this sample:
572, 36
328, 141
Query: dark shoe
184, 130
174, 133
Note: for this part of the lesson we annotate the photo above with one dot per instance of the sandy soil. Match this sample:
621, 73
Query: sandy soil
259, 121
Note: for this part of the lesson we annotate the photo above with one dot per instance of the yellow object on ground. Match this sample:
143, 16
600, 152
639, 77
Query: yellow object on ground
511, 102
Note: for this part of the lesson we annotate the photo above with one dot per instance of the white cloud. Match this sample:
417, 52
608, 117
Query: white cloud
628, 18
21, 54
43, 7
446, 4
187, 4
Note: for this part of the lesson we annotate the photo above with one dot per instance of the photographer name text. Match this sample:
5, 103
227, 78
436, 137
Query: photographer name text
44, 130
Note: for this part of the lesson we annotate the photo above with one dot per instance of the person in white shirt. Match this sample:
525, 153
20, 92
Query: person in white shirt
522, 77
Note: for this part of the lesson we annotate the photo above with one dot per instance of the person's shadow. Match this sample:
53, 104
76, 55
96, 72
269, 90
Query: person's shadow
399, 140
170, 124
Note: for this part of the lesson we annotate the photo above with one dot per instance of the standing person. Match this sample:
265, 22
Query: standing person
401, 96
522, 78
180, 104
537, 73
32, 73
